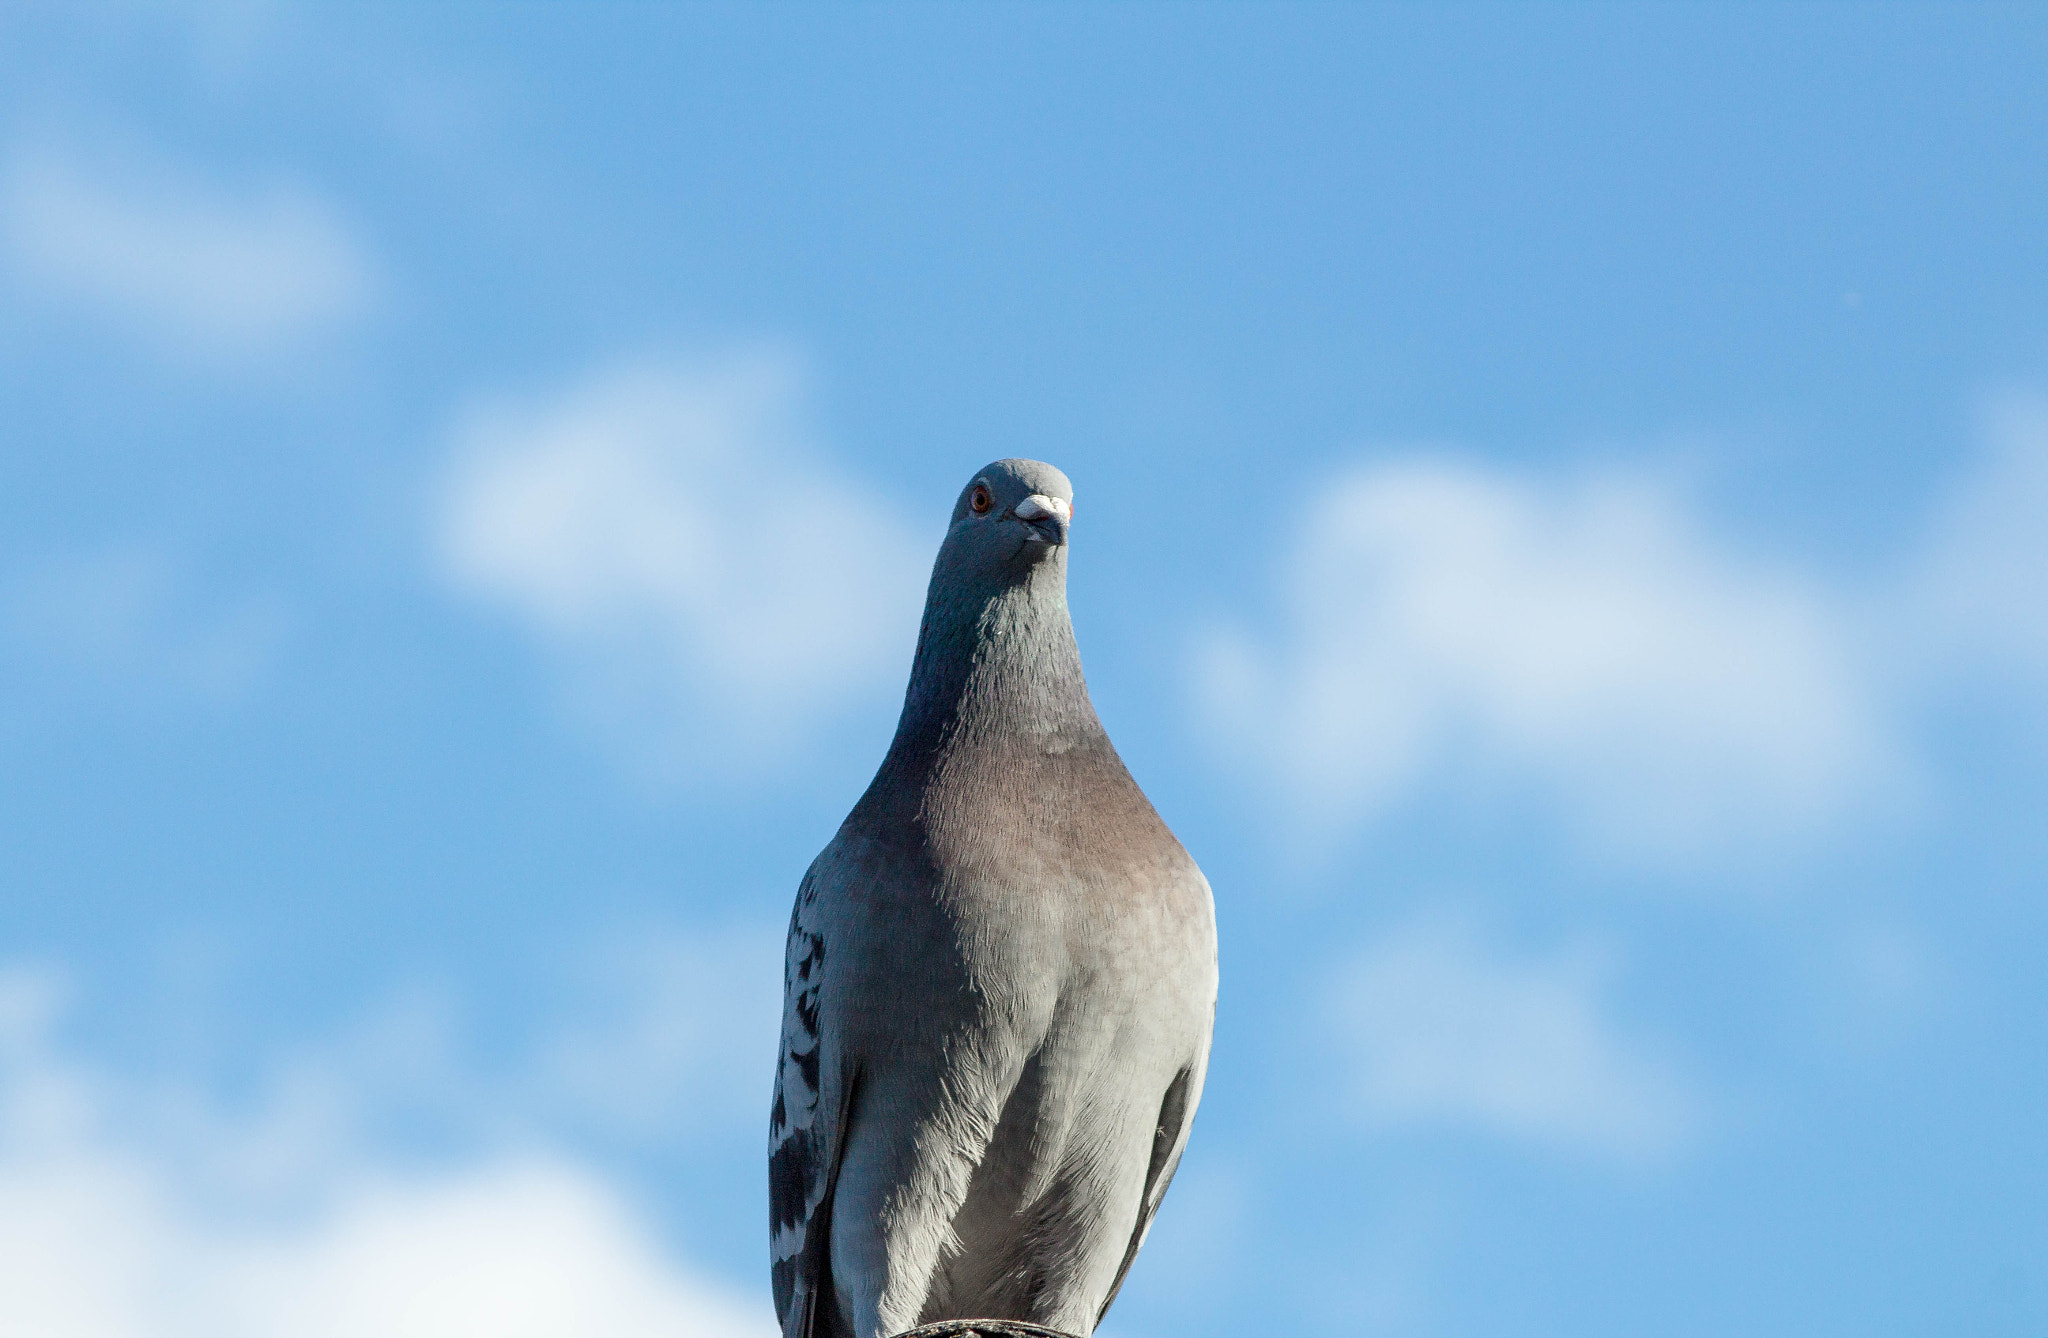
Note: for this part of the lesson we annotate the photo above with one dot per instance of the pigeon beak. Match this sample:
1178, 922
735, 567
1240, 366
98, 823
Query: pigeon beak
1048, 517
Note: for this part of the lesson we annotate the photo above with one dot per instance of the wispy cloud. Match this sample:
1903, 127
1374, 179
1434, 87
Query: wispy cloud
205, 270
718, 583
116, 1222
1979, 592
133, 615
1440, 1027
658, 1037
1589, 640
668, 1020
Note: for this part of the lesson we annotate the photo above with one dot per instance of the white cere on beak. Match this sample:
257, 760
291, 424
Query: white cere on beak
1038, 506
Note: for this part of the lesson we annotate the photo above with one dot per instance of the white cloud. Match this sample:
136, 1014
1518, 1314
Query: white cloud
95, 1243
113, 1226
521, 1249
1980, 592
204, 270
1592, 640
721, 585
1444, 1029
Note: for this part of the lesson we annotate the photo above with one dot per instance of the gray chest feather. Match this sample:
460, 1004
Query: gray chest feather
1028, 871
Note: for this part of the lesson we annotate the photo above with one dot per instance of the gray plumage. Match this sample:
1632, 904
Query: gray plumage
1001, 977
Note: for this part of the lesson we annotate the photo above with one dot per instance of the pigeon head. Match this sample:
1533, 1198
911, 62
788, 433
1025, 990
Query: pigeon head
996, 641
1011, 516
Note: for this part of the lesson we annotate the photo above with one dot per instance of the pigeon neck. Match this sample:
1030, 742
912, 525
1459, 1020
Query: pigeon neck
995, 664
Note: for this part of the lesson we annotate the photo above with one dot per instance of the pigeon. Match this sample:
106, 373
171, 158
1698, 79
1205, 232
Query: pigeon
1000, 981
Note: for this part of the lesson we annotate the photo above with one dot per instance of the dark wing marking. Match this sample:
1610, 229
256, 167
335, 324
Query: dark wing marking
816, 1313
805, 1137
1168, 1138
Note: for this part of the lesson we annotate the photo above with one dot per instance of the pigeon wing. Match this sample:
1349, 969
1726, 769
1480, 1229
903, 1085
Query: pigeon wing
806, 1132
1169, 1139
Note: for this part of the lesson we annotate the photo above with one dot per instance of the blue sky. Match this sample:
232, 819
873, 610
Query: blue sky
1559, 535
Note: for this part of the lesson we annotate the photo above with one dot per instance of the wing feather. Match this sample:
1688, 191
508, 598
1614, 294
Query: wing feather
1169, 1140
805, 1133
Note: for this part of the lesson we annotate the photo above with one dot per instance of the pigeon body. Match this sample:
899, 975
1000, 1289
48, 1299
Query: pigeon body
1000, 982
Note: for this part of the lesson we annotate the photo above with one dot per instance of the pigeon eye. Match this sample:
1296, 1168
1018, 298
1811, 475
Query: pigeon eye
980, 501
